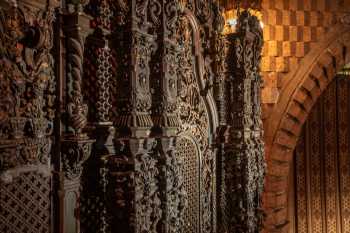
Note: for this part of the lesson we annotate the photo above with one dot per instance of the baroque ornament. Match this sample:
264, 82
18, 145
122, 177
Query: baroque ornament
27, 85
163, 86
27, 94
244, 165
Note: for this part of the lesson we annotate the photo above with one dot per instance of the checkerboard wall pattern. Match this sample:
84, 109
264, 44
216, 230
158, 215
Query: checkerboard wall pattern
291, 29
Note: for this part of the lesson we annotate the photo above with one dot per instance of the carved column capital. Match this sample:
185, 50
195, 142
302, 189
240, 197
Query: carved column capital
74, 154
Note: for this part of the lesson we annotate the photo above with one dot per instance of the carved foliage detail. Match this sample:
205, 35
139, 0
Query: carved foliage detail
147, 199
194, 119
74, 154
27, 84
174, 198
244, 166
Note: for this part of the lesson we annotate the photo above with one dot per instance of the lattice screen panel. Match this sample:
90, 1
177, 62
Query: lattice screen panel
91, 213
187, 150
322, 168
25, 204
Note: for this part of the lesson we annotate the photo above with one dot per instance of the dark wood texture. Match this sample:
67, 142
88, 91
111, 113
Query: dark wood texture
154, 116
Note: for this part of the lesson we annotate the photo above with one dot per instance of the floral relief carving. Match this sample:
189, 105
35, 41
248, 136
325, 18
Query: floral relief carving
27, 85
244, 166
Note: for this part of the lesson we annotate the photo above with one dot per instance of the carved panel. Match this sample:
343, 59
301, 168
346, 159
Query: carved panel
343, 90
147, 200
188, 152
27, 95
25, 204
314, 162
193, 116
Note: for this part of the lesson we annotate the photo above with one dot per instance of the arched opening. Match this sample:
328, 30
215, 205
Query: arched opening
319, 194
303, 88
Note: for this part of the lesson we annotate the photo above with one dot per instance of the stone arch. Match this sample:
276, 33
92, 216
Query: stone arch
303, 88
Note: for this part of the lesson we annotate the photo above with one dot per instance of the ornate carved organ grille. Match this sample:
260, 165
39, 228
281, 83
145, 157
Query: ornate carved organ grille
130, 93
322, 164
25, 204
188, 152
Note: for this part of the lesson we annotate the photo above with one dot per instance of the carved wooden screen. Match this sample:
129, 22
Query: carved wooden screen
187, 150
194, 111
27, 87
322, 165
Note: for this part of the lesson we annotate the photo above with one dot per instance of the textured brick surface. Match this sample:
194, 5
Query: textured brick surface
291, 29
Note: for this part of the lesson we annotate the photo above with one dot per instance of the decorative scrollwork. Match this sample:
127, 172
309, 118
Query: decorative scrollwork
26, 85
121, 11
174, 199
192, 110
148, 213
244, 166
203, 10
74, 154
148, 13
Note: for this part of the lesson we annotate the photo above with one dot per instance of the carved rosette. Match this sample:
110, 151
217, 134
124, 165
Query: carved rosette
244, 164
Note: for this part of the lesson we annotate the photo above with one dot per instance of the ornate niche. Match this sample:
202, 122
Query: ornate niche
27, 87
198, 119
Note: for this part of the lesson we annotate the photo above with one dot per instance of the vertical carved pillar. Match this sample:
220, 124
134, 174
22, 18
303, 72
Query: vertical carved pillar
95, 179
27, 86
174, 198
136, 46
133, 171
219, 50
244, 165
76, 145
165, 117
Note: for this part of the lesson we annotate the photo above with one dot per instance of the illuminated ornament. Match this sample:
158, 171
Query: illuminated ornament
231, 15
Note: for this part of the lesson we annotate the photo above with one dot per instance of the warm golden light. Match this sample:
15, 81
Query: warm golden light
231, 19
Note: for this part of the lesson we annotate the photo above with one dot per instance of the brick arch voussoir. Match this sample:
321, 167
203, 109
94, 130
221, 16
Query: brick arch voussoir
330, 58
